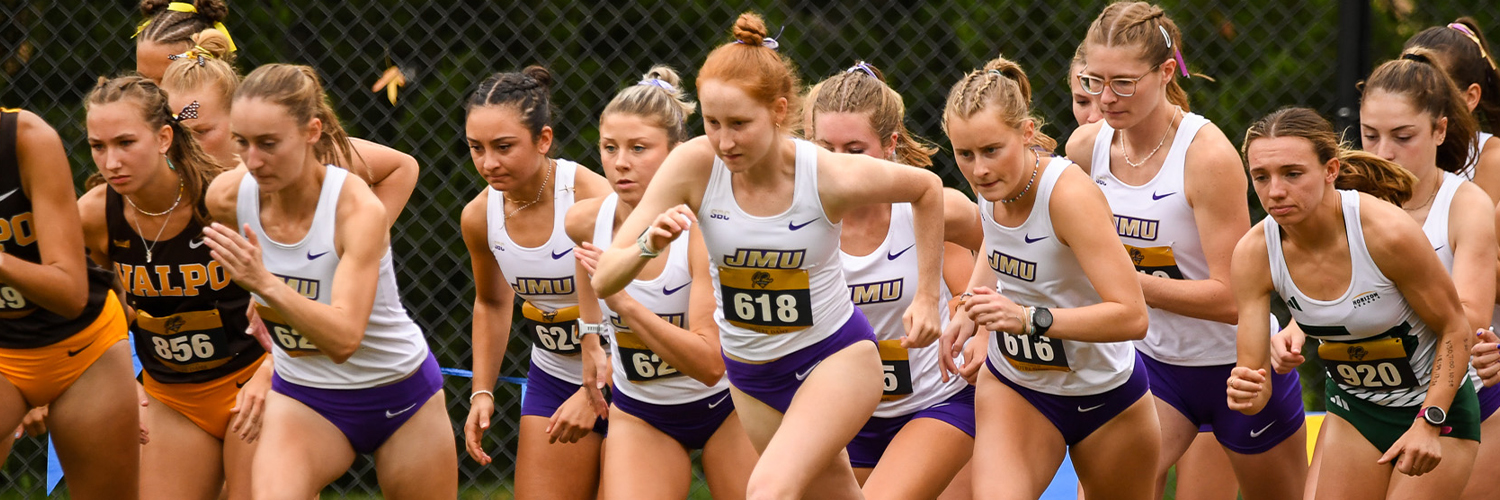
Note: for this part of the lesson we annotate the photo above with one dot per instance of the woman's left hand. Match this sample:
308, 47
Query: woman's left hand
994, 312
1417, 452
250, 404
573, 420
240, 256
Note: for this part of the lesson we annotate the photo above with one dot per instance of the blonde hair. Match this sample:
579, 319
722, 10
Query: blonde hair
1002, 84
206, 66
659, 98
855, 91
1358, 170
1140, 24
298, 89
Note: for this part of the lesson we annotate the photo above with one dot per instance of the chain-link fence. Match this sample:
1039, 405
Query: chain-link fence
1261, 54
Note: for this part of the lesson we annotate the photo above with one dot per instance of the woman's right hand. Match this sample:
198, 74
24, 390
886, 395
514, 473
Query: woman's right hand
1245, 389
1485, 355
481, 410
669, 225
1286, 350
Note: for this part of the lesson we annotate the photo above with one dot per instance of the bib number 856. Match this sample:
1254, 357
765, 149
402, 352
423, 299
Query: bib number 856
185, 348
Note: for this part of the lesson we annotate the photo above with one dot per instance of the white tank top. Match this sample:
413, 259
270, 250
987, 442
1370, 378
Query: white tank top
1370, 341
1480, 138
543, 277
639, 372
1035, 269
1436, 225
883, 284
778, 280
1157, 226
393, 346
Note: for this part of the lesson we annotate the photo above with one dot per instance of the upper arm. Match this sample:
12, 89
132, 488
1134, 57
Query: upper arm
1471, 234
490, 286
579, 222
1401, 250
222, 197
701, 304
391, 175
1080, 146
961, 223
847, 181
47, 179
361, 240
1082, 220
95, 226
1216, 185
682, 178
587, 184
1487, 172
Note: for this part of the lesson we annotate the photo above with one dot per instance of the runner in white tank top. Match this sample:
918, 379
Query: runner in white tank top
1345, 264
769, 207
392, 346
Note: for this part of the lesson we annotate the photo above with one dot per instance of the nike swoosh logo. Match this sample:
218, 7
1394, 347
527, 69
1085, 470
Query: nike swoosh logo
1439, 248
85, 347
240, 385
194, 244
795, 226
1030, 240
1155, 197
893, 256
556, 255
1089, 409
1256, 434
803, 375
8, 193
670, 291
716, 403
390, 414
314, 256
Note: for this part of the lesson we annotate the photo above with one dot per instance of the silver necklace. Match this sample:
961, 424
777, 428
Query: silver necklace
550, 167
1164, 135
157, 240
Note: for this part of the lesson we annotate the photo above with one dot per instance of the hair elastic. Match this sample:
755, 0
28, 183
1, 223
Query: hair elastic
861, 66
769, 42
657, 82
188, 112
196, 52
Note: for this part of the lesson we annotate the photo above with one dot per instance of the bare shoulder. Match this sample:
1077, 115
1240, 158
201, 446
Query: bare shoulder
223, 195
475, 214
357, 200
1080, 147
580, 219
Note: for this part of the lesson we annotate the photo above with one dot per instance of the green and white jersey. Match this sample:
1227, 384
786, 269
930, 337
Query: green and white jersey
1370, 341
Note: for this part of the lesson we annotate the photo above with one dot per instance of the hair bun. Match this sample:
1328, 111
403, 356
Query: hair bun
150, 8
541, 74
750, 29
215, 11
666, 74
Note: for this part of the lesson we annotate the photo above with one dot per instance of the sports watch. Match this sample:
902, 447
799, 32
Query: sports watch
643, 243
1041, 321
1435, 415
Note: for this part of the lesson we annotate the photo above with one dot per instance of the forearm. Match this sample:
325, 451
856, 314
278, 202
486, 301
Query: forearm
47, 286
489, 338
686, 351
1102, 322
1208, 299
927, 212
1449, 368
617, 267
336, 331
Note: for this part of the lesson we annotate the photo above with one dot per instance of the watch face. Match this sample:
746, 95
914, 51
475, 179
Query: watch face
1042, 317
1434, 415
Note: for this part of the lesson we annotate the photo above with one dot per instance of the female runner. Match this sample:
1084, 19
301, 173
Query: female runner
147, 225
62, 329
1179, 206
670, 395
353, 374
175, 28
802, 361
1389, 326
1052, 387
518, 245
1461, 49
922, 433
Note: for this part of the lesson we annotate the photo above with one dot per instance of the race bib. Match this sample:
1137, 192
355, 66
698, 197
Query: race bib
1030, 353
1372, 364
187, 342
286, 338
640, 363
1155, 261
555, 332
896, 363
769, 301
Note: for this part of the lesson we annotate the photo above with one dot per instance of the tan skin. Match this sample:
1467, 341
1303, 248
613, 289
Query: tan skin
1203, 471
304, 450
94, 423
152, 59
191, 463
801, 450
632, 149
511, 159
927, 458
998, 162
1297, 190
1215, 186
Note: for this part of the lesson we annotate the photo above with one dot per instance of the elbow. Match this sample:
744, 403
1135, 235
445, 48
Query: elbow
1136, 324
711, 375
1229, 315
73, 307
603, 288
340, 352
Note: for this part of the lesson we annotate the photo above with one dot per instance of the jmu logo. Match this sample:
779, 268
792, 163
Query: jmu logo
676, 319
765, 259
309, 288
761, 279
1141, 229
174, 324
1020, 269
549, 316
544, 286
875, 293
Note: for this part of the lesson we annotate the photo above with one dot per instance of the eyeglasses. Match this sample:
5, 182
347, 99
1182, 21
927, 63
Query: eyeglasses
1123, 87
